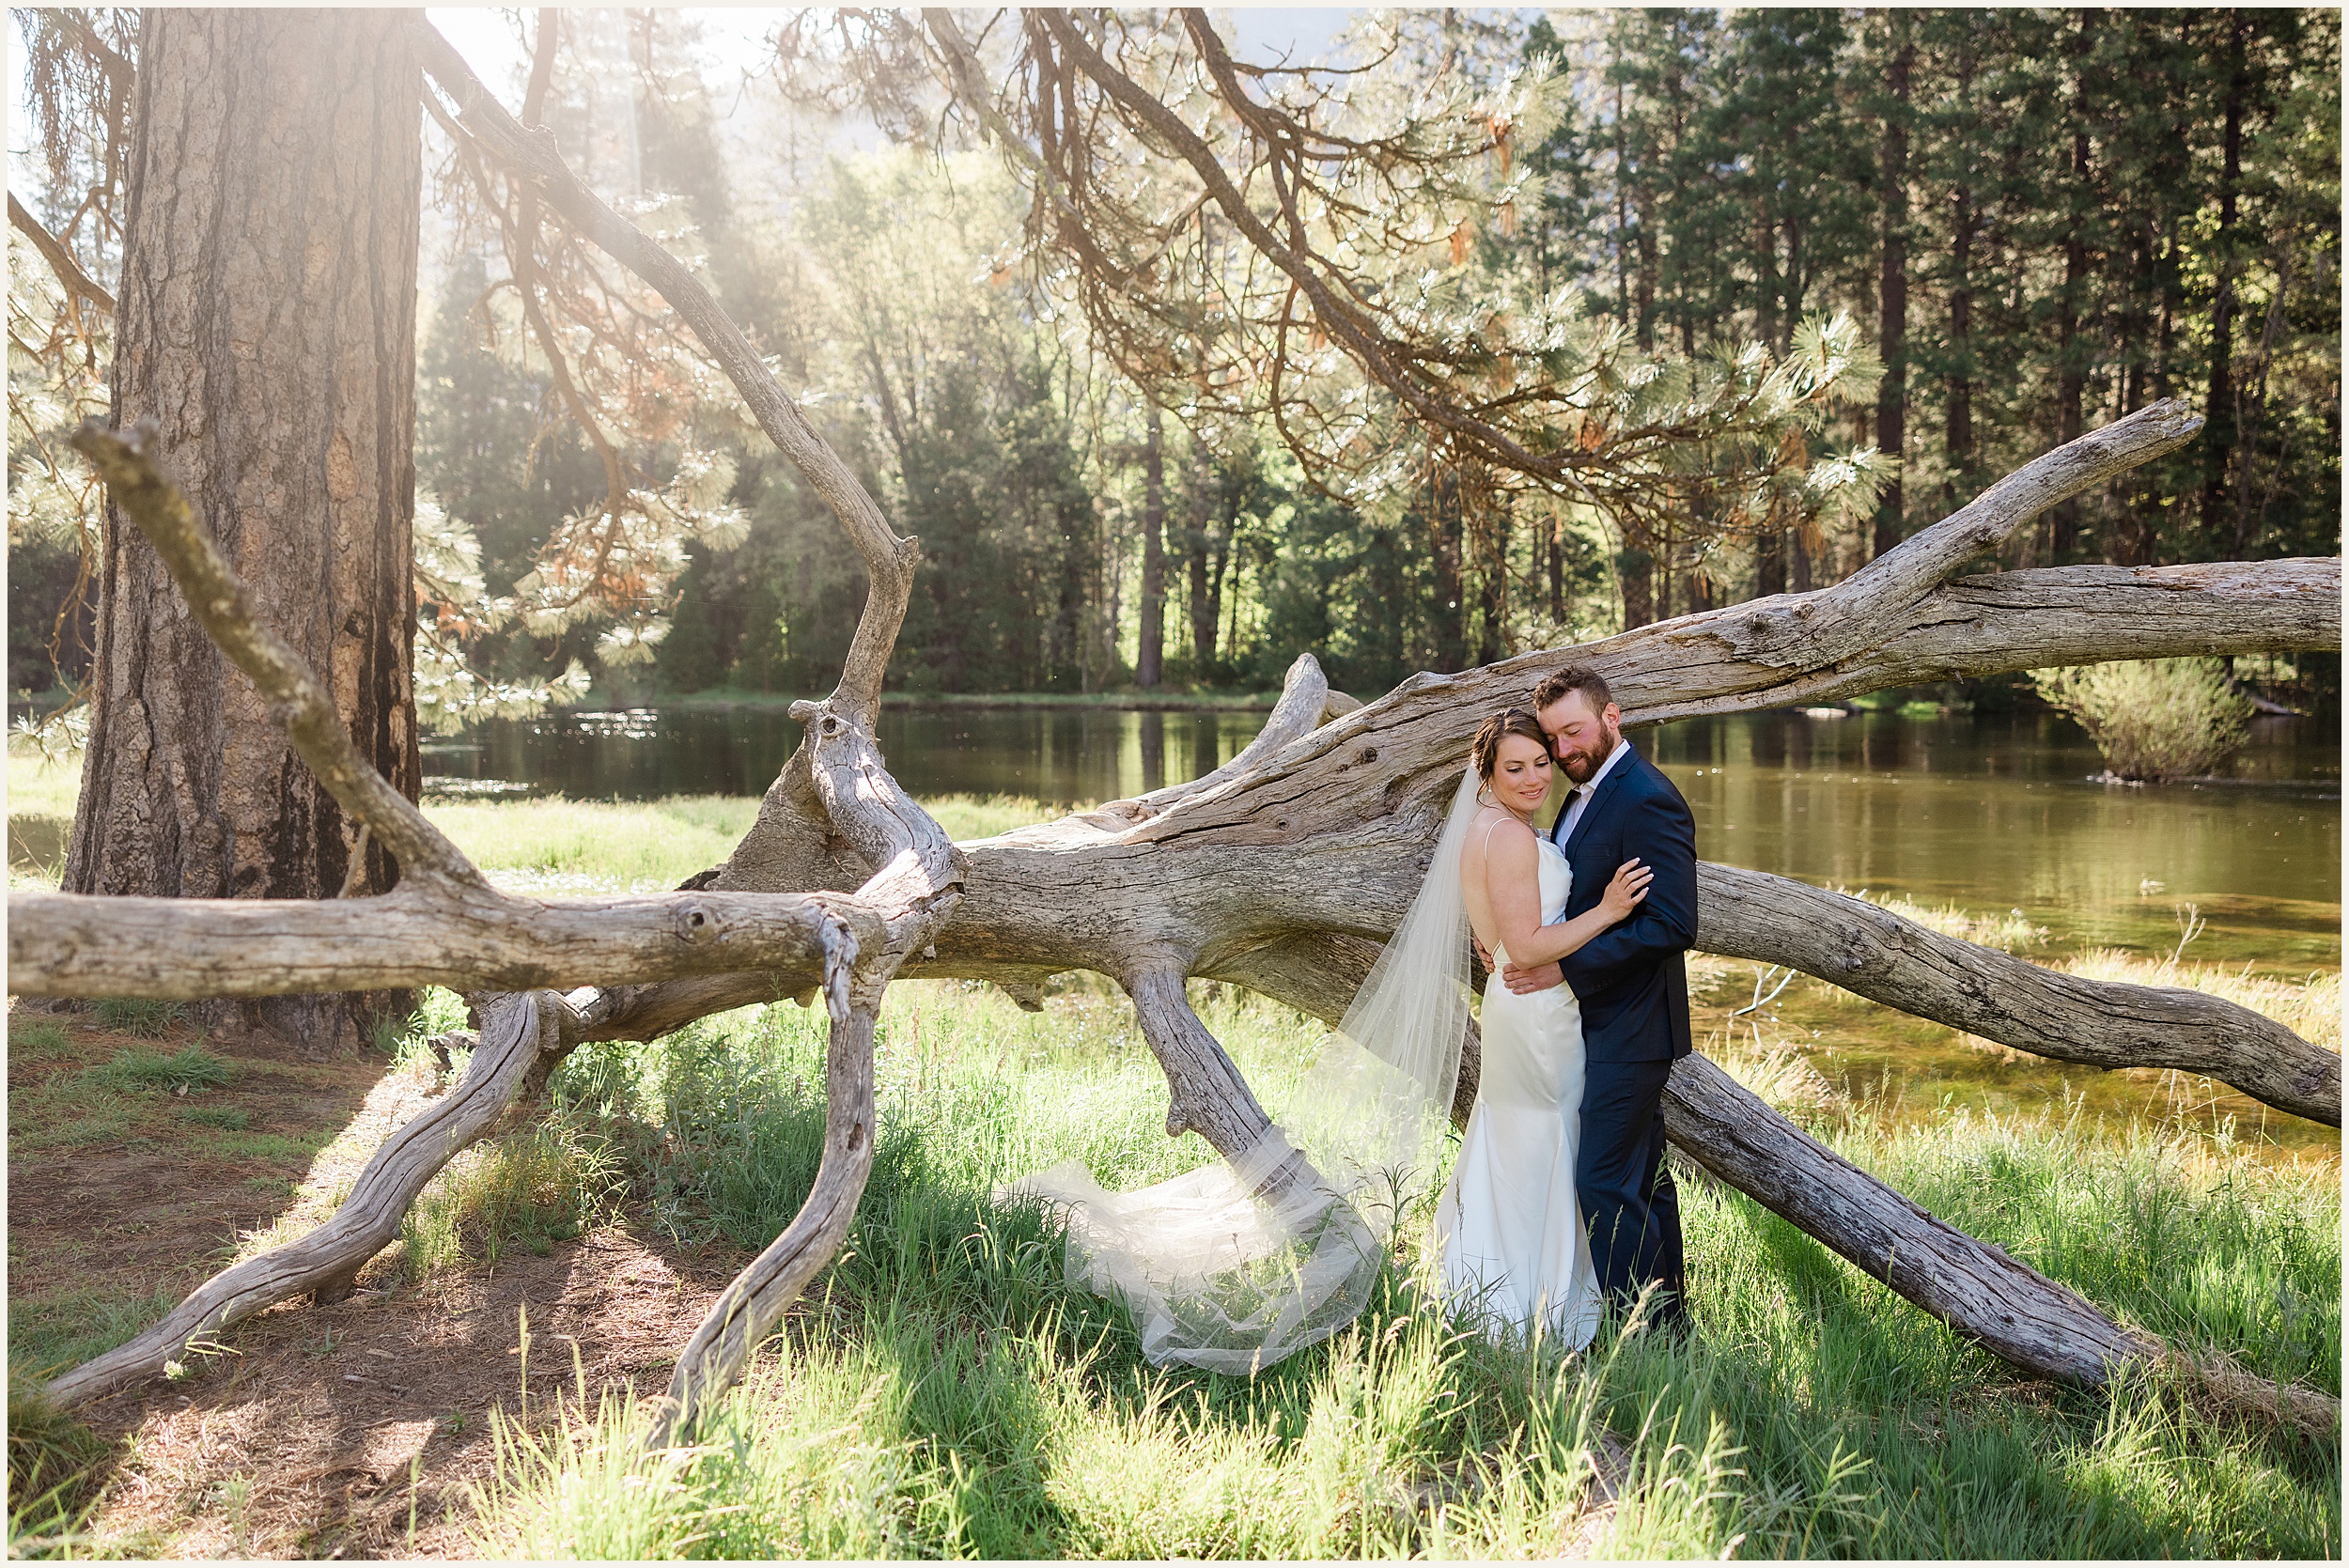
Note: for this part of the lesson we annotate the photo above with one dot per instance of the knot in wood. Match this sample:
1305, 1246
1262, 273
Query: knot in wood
694, 923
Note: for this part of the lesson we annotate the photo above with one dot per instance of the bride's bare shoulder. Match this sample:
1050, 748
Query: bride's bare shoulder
1495, 831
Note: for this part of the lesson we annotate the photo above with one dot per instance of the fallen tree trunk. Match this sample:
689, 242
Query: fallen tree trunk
1862, 948
84, 945
2018, 1313
1322, 838
847, 947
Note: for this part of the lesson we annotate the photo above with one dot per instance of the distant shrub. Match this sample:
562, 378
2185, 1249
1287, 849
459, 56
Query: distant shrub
193, 1067
2153, 719
143, 1017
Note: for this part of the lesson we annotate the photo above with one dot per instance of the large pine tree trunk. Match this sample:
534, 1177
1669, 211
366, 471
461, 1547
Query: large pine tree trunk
268, 329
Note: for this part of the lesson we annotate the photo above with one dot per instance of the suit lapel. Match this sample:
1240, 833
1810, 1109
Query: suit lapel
1600, 798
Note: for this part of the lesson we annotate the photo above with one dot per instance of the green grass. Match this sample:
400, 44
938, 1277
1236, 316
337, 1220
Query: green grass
945, 1391
191, 1067
55, 1462
37, 1040
531, 1190
141, 1018
942, 1391
65, 1328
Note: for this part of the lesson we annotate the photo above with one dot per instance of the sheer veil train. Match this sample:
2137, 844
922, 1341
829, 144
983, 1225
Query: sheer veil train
1235, 1267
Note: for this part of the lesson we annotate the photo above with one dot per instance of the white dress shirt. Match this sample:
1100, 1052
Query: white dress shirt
1579, 799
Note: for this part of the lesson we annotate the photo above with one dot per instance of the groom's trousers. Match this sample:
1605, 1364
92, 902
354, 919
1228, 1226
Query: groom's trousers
1628, 1200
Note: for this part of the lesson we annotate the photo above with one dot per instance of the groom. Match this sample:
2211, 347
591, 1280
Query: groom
1631, 983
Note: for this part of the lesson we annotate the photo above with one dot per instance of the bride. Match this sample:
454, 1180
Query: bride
1236, 1265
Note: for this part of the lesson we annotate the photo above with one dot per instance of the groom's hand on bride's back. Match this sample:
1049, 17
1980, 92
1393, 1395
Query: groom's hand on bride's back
1540, 977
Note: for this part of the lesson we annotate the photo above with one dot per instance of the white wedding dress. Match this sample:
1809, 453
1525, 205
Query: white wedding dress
1514, 1250
1241, 1263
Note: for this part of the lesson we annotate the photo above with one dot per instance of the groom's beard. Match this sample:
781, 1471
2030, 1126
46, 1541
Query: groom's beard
1581, 766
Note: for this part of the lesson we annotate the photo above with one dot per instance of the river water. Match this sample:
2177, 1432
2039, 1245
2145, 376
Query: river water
1993, 813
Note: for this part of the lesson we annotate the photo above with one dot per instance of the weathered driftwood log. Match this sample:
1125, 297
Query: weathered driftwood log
2013, 1311
84, 945
920, 877
833, 816
846, 946
517, 1029
2021, 1314
443, 924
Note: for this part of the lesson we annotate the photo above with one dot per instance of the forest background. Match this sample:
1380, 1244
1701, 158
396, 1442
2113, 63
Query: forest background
2038, 219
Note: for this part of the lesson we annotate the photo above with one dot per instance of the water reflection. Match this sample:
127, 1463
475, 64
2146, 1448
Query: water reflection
1989, 811
1058, 755
1997, 812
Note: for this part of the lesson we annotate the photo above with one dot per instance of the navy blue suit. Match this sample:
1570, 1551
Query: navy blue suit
1633, 984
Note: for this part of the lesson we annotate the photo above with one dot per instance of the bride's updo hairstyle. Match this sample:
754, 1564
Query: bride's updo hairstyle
1485, 749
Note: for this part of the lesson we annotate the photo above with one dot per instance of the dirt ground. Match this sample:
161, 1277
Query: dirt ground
352, 1430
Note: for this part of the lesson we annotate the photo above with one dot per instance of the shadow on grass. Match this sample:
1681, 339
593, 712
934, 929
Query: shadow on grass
1813, 1413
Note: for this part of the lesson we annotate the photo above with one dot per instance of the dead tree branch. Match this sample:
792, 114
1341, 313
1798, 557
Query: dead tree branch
444, 921
517, 1030
1862, 948
1285, 873
60, 259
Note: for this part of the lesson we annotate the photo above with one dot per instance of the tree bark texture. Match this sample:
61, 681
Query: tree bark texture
267, 327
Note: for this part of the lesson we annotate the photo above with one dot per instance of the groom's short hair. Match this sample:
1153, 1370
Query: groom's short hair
1573, 677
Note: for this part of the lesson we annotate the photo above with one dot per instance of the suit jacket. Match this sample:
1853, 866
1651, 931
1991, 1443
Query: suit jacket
1630, 979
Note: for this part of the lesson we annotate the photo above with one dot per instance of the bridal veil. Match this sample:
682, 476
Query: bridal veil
1235, 1265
